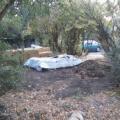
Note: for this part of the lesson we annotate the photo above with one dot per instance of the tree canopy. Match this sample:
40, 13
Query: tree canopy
61, 24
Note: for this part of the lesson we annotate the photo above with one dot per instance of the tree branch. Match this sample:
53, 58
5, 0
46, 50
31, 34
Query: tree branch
3, 12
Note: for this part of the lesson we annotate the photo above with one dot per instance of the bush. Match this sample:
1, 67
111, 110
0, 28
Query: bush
10, 70
115, 58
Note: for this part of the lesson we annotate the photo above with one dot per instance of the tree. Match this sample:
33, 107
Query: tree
74, 23
47, 24
6, 7
9, 65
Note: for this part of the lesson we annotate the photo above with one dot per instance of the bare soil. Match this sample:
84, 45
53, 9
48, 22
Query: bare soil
54, 95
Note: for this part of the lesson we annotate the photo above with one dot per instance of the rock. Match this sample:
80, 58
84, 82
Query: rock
37, 116
78, 115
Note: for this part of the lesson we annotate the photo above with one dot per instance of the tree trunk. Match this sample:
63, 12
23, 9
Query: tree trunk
54, 43
3, 12
105, 38
72, 41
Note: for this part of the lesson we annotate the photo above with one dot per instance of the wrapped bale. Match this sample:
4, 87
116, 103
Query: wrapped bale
30, 52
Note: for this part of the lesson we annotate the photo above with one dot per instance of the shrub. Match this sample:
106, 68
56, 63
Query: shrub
10, 70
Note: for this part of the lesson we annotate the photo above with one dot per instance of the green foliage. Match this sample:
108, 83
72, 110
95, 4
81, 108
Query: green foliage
53, 18
10, 70
3, 46
9, 78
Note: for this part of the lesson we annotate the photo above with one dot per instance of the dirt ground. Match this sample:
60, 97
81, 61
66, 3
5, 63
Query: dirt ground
54, 95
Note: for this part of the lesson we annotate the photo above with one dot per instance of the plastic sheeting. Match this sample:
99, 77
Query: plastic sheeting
60, 61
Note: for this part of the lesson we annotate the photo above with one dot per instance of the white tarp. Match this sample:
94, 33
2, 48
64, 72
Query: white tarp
35, 46
60, 61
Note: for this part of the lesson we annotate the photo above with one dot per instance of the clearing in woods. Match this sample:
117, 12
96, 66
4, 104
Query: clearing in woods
55, 94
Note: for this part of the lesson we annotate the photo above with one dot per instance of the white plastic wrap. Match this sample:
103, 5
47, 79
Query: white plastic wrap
60, 61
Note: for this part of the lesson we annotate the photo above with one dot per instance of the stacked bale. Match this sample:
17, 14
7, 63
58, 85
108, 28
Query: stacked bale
30, 52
